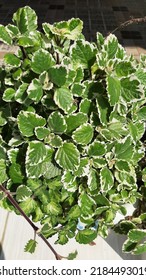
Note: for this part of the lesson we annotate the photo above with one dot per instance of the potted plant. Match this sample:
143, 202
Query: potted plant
72, 122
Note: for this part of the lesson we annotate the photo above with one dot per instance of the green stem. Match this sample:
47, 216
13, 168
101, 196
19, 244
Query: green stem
35, 228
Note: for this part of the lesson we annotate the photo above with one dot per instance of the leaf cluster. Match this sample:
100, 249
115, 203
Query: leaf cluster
72, 118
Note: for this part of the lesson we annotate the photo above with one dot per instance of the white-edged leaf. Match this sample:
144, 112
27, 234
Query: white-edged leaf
4, 35
86, 236
3, 174
124, 149
82, 54
37, 152
106, 179
41, 132
57, 75
64, 99
42, 60
9, 94
35, 90
103, 108
136, 235
12, 60
26, 19
69, 181
28, 121
96, 149
68, 156
22, 193
75, 120
83, 134
93, 180
56, 123
113, 89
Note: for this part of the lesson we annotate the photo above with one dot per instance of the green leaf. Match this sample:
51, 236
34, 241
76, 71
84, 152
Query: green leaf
86, 236
78, 89
25, 42
101, 209
75, 120
69, 181
3, 120
103, 108
3, 174
96, 148
42, 60
12, 30
106, 179
85, 106
51, 170
35, 91
28, 206
83, 169
20, 94
37, 152
70, 29
47, 231
124, 149
111, 46
2, 153
82, 54
74, 212
15, 173
9, 95
72, 256
4, 35
136, 235
68, 156
141, 114
141, 75
64, 99
83, 134
22, 193
54, 140
122, 165
99, 162
57, 75
53, 208
113, 89
12, 60
28, 121
41, 132
140, 249
25, 19
30, 246
93, 180
124, 227
86, 204
38, 159
56, 123
130, 90
62, 238
128, 246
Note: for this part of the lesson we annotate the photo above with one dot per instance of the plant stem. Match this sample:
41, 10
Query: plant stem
128, 22
35, 228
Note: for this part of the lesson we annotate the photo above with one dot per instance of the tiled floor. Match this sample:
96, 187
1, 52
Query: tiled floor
98, 15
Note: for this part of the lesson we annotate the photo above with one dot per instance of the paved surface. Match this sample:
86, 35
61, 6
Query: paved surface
98, 15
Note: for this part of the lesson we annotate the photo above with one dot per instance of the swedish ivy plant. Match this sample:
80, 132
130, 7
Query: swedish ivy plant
72, 123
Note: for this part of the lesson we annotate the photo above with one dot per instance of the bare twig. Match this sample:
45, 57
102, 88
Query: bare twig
129, 22
36, 229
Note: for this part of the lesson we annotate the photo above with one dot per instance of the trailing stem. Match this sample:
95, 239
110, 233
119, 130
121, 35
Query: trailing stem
35, 228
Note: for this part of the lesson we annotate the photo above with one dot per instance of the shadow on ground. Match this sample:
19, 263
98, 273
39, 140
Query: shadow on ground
2, 256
